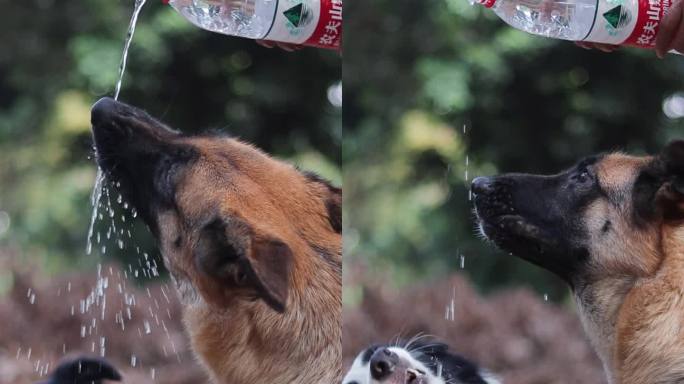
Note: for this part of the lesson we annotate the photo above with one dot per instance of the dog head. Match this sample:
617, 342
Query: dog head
231, 222
604, 217
415, 363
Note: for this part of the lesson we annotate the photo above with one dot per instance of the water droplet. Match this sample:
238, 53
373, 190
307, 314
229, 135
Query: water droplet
95, 202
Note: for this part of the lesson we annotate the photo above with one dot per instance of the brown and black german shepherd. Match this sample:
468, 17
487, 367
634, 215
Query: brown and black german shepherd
252, 243
613, 228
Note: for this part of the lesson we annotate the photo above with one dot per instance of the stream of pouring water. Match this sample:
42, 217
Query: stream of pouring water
99, 178
129, 38
112, 293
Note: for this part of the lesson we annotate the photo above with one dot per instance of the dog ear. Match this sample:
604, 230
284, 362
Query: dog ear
270, 262
332, 200
670, 196
84, 370
659, 188
334, 206
673, 160
236, 256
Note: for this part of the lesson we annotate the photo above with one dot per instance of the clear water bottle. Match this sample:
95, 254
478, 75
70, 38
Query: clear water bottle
618, 22
315, 23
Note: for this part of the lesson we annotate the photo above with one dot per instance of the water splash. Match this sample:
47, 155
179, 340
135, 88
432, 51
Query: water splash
95, 202
100, 177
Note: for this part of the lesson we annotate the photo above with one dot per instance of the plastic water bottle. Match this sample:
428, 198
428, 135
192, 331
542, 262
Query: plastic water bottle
618, 22
315, 23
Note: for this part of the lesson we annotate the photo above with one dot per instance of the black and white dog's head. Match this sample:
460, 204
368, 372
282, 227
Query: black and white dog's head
414, 363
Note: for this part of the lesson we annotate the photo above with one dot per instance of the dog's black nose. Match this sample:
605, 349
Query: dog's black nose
482, 184
103, 110
382, 363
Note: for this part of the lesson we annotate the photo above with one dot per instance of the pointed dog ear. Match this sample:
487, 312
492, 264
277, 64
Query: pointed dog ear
334, 206
270, 262
671, 194
673, 159
237, 259
659, 188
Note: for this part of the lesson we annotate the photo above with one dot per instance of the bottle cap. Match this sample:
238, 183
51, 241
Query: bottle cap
487, 3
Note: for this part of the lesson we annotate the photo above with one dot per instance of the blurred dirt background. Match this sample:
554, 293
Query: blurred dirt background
38, 329
514, 333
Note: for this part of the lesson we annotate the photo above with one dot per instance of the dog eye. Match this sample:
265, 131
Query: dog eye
582, 176
240, 278
606, 226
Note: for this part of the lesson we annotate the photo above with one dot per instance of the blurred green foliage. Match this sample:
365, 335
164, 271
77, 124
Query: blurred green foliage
58, 57
417, 73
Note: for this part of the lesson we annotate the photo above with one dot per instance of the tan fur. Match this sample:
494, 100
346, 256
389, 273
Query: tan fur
245, 341
633, 304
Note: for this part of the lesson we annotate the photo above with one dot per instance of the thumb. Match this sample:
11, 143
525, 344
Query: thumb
668, 29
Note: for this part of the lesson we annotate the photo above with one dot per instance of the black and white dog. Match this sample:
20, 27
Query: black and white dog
414, 363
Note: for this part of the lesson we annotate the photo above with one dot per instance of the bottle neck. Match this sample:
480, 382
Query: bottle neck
487, 3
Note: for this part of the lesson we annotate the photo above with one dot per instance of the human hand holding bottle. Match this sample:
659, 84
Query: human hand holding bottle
670, 33
284, 46
316, 23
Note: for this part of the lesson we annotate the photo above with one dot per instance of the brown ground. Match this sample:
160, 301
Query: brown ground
514, 333
48, 328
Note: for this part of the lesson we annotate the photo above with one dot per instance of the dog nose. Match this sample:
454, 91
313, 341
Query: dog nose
382, 363
482, 184
102, 110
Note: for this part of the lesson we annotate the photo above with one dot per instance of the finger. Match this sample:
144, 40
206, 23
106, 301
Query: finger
608, 48
583, 44
678, 41
266, 43
291, 47
286, 47
668, 28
